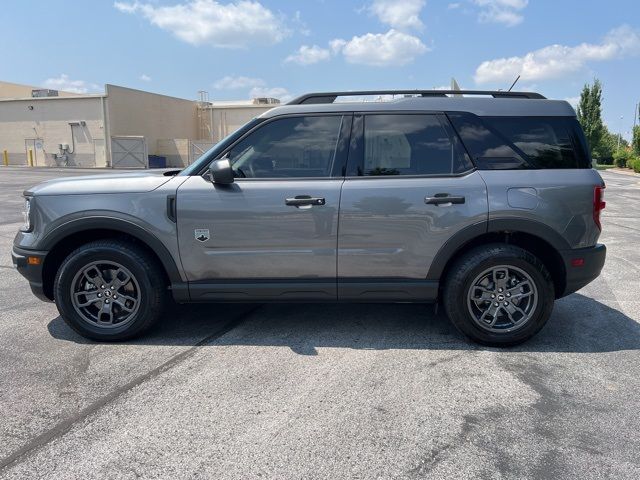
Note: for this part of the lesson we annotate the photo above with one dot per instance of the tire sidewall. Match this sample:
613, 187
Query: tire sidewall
80, 259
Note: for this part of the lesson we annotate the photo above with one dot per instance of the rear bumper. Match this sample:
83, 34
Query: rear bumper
31, 271
580, 275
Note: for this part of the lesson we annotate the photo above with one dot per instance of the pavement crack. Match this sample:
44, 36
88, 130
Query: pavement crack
64, 426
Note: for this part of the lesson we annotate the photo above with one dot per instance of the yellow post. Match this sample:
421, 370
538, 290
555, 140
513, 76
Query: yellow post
5, 157
31, 157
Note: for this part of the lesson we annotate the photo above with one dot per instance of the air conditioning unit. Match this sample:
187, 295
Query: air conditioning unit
265, 101
44, 92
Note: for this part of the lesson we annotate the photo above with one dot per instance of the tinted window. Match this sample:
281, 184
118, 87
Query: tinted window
410, 145
545, 141
488, 148
289, 147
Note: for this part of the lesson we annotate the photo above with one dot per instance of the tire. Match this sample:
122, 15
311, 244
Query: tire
131, 290
498, 270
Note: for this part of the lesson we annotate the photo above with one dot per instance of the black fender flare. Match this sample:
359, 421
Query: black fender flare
469, 233
79, 222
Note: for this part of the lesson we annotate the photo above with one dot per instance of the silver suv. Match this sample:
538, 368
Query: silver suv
483, 201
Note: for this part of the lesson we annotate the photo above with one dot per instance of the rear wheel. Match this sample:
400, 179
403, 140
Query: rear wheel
109, 290
498, 295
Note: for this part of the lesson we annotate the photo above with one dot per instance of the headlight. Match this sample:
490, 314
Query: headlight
26, 212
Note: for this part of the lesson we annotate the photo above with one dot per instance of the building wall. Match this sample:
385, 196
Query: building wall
156, 117
225, 120
48, 124
176, 150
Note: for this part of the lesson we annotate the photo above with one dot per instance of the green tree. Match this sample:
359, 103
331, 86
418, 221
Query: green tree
590, 117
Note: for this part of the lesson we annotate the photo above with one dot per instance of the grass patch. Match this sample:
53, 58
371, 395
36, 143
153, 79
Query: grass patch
603, 167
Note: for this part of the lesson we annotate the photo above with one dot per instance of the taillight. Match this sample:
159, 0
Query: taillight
598, 204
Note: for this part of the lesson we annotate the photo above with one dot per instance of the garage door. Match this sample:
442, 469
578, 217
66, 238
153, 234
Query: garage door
129, 152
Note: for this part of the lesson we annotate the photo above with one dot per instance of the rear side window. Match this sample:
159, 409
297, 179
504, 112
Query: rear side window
411, 145
547, 142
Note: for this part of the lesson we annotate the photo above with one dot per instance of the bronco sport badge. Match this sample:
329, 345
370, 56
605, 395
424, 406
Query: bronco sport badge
201, 234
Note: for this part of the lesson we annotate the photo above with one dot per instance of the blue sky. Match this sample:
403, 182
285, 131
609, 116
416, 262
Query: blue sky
274, 47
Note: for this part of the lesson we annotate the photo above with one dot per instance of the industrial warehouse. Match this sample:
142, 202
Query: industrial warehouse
122, 128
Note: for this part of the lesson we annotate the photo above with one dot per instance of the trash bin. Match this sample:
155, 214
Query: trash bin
157, 161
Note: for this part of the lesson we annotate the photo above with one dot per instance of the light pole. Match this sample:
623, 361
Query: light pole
619, 135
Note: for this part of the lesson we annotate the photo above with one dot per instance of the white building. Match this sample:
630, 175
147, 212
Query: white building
119, 128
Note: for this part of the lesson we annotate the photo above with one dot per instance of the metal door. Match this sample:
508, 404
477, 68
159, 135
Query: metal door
272, 233
244, 241
129, 152
36, 145
394, 217
197, 149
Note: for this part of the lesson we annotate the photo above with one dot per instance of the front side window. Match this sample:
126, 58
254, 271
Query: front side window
288, 147
410, 145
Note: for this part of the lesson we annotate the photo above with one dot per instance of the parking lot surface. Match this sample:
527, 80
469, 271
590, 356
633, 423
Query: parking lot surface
325, 391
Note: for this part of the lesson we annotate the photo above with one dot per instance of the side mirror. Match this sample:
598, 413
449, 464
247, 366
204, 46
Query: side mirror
221, 171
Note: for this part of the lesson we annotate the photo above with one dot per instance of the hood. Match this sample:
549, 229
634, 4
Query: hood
131, 182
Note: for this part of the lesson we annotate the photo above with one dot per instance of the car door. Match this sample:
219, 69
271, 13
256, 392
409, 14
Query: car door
410, 187
272, 234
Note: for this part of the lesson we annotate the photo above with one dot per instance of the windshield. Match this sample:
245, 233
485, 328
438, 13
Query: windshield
218, 148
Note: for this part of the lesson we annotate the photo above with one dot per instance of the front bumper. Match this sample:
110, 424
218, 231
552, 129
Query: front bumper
583, 265
31, 270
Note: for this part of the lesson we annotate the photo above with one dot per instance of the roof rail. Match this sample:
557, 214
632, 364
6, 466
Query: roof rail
330, 97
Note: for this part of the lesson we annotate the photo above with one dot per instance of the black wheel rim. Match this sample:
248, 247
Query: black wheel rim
105, 294
502, 299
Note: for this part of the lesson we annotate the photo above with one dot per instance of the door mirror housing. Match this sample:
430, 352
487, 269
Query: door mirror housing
221, 172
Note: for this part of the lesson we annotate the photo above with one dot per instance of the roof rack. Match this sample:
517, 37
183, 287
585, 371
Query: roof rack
330, 97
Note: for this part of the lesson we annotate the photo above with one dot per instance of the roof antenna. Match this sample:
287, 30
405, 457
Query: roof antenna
513, 84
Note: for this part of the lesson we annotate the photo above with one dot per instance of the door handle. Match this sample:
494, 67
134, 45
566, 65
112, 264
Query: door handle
304, 200
441, 198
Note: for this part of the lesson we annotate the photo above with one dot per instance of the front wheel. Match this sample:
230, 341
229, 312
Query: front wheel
498, 295
109, 290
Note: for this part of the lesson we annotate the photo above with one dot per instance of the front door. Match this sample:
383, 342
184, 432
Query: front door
272, 234
410, 188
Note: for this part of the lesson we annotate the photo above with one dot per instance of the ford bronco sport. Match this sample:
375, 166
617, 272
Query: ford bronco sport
485, 202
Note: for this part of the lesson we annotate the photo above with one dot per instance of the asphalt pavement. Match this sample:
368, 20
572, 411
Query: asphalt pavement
324, 391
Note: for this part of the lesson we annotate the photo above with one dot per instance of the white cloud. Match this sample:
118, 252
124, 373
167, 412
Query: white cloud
238, 24
380, 49
231, 83
308, 55
145, 78
64, 83
556, 61
399, 14
573, 101
507, 12
271, 92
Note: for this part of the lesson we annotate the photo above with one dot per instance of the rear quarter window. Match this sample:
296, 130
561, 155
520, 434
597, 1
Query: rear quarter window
508, 143
547, 142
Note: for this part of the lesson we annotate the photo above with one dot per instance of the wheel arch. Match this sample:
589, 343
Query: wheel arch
61, 241
535, 237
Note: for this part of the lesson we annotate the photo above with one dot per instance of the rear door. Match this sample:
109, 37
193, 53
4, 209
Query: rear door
272, 234
410, 187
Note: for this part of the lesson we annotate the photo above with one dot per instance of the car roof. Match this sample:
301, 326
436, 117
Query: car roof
481, 106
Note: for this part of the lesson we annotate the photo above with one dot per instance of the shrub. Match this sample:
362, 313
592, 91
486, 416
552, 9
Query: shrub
636, 165
621, 157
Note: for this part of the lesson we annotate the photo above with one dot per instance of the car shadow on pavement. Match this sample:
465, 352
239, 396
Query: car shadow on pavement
579, 324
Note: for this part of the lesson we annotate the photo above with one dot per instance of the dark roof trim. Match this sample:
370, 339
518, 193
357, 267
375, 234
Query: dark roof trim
330, 97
